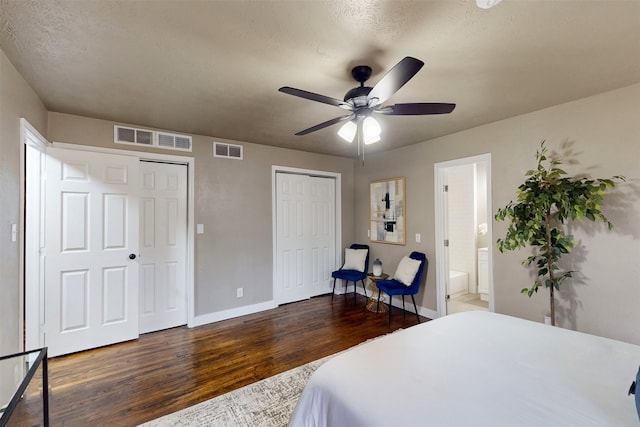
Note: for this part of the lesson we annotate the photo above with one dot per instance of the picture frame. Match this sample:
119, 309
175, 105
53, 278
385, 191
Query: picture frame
387, 204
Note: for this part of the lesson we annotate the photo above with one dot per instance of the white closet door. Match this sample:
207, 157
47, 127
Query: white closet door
91, 274
163, 246
322, 235
305, 241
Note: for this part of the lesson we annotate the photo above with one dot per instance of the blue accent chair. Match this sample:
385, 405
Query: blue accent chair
352, 275
636, 391
394, 287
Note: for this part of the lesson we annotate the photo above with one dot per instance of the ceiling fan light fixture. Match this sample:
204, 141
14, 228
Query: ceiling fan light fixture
371, 130
487, 4
363, 101
371, 140
348, 131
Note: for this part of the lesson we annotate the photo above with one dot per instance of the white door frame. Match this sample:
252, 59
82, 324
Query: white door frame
32, 280
185, 160
442, 268
274, 223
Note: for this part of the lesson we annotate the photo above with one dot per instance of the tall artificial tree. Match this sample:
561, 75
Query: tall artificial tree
546, 201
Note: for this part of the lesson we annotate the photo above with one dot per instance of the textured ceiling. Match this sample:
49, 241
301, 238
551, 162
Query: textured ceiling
214, 67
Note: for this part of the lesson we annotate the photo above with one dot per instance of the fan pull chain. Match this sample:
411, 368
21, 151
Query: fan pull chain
360, 136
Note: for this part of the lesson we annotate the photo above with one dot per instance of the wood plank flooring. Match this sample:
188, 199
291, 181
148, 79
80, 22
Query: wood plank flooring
129, 383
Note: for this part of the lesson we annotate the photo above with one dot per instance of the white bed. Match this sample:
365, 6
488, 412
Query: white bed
475, 369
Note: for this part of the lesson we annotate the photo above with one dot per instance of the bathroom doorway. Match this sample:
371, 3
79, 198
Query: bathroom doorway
463, 235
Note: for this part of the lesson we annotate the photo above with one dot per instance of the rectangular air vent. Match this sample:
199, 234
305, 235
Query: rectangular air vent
173, 141
125, 135
230, 151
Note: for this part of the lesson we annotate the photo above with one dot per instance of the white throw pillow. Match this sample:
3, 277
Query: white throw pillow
407, 270
354, 259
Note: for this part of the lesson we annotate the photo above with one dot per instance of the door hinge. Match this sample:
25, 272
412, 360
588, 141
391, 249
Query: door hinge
446, 243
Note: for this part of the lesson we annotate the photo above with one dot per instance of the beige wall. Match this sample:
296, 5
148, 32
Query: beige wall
233, 201
603, 133
17, 100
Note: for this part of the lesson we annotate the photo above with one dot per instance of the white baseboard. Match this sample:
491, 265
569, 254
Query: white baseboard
263, 306
397, 302
232, 313
426, 312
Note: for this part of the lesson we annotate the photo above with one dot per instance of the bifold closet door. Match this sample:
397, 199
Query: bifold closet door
305, 241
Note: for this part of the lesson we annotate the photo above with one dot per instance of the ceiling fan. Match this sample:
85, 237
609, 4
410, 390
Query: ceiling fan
363, 101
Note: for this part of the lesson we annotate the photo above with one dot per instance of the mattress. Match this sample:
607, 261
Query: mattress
475, 369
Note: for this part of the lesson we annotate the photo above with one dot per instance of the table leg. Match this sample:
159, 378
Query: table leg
373, 300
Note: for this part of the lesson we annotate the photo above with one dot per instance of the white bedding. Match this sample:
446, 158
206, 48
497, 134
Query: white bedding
475, 369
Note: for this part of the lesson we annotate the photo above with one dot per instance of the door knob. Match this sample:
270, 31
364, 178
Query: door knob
132, 256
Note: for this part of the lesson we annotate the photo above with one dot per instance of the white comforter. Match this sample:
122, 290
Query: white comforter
475, 369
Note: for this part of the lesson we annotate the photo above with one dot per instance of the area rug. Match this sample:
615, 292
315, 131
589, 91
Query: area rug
266, 403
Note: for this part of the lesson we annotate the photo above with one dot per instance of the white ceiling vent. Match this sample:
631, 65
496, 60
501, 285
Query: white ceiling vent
173, 141
125, 135
230, 151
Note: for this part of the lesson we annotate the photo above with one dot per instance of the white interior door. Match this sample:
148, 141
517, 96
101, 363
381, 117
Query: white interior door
163, 246
446, 240
91, 229
322, 234
305, 241
34, 242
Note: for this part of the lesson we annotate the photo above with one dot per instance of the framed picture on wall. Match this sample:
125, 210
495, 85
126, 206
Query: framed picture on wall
387, 201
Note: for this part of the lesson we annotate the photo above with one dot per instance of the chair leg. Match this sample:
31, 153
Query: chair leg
334, 288
390, 305
415, 308
378, 306
403, 309
364, 288
355, 288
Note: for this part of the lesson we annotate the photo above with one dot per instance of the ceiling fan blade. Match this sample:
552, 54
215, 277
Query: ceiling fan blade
417, 109
325, 124
315, 97
401, 73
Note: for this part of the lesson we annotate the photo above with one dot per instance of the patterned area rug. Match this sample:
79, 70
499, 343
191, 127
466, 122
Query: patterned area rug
269, 403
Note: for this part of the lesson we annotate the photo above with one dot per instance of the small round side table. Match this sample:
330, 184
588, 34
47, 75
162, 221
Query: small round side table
373, 300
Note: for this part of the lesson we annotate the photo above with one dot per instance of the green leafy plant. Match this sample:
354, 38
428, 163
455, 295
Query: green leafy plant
546, 201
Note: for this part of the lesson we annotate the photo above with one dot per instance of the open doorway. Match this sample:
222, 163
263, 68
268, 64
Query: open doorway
463, 235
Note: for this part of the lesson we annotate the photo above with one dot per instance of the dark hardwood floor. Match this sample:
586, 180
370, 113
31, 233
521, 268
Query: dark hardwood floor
129, 383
